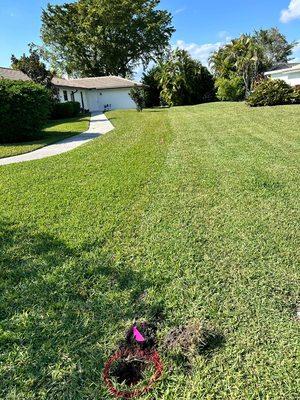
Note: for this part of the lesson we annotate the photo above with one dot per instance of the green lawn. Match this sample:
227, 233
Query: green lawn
192, 212
53, 132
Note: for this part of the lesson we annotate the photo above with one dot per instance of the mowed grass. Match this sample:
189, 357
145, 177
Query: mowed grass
192, 212
53, 132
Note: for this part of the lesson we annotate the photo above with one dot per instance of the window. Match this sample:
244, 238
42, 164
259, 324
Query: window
65, 95
72, 96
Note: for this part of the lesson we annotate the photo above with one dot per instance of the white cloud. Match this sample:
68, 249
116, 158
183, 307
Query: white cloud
201, 52
179, 10
292, 12
224, 36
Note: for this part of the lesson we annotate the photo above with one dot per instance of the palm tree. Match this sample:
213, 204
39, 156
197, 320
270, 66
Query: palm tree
242, 57
248, 55
184, 80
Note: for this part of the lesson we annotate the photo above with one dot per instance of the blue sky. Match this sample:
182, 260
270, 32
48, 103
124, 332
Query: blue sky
201, 26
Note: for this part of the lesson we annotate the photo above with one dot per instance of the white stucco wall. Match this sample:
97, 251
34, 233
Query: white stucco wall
96, 100
77, 96
114, 98
292, 78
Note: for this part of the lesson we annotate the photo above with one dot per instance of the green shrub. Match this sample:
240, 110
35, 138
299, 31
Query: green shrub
24, 109
230, 89
271, 92
137, 94
151, 80
68, 109
296, 95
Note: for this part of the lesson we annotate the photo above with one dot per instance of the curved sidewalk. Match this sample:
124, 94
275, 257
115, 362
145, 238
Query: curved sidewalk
99, 125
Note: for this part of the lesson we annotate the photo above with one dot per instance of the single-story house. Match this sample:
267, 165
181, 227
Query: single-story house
93, 94
15, 75
290, 73
99, 93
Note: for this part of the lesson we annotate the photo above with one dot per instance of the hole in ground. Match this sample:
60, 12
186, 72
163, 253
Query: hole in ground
130, 372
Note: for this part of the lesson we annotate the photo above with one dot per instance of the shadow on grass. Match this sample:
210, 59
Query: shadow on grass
30, 140
215, 342
57, 122
157, 109
58, 307
44, 138
15, 149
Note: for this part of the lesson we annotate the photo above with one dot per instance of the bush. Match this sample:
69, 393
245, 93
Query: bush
152, 87
230, 89
65, 110
271, 93
296, 95
24, 110
138, 96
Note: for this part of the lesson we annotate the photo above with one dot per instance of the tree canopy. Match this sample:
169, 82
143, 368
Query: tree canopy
250, 55
276, 48
151, 80
33, 67
185, 81
104, 37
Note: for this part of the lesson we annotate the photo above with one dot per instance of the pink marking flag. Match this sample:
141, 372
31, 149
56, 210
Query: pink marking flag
138, 336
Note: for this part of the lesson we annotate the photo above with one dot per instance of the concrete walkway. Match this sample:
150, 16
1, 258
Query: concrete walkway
99, 125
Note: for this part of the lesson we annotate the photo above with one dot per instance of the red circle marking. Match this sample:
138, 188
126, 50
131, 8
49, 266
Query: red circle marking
151, 356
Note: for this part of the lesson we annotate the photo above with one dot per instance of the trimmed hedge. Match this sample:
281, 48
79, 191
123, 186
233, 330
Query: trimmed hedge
273, 92
68, 109
24, 110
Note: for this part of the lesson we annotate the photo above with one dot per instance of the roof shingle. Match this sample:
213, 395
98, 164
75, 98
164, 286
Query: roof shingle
13, 74
103, 82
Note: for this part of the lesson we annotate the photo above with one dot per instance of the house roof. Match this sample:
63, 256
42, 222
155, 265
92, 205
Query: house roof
103, 82
13, 74
291, 67
283, 66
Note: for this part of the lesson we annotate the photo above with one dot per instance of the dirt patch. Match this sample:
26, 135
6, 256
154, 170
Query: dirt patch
187, 341
148, 331
136, 366
298, 312
187, 338
129, 374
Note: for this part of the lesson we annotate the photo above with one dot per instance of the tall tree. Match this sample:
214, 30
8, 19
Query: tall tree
276, 48
185, 81
222, 63
33, 67
151, 80
247, 55
250, 55
104, 37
